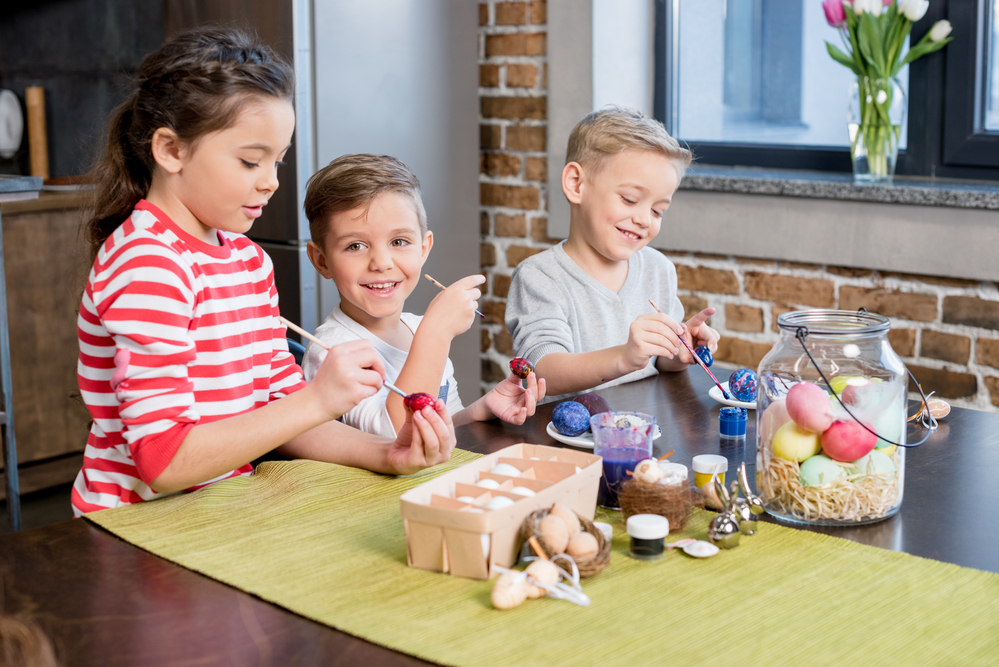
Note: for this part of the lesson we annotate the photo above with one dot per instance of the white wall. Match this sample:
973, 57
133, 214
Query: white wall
399, 77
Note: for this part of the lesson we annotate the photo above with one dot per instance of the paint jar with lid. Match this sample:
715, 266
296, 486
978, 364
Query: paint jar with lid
830, 404
648, 536
732, 423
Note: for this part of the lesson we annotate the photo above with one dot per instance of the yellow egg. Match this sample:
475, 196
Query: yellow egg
568, 516
793, 443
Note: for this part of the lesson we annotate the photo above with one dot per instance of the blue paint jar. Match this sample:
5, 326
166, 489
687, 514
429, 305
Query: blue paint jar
732, 422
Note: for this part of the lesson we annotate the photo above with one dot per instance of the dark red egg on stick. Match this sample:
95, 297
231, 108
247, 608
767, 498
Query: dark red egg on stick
521, 367
417, 402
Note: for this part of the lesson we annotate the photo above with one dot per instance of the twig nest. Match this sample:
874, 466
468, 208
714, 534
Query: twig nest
544, 571
582, 546
648, 471
555, 532
568, 516
509, 590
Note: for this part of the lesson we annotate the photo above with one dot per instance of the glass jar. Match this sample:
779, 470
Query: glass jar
823, 467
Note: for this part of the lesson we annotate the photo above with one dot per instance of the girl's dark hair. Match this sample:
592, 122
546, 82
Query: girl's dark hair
195, 84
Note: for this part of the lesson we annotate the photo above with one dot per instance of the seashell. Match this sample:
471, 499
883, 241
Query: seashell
509, 590
544, 571
700, 549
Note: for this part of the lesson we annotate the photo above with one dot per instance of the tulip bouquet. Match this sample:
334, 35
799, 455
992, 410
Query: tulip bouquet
873, 34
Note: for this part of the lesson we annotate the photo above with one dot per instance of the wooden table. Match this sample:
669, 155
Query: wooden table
109, 603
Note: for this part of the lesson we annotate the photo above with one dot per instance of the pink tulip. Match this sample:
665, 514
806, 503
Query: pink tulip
834, 13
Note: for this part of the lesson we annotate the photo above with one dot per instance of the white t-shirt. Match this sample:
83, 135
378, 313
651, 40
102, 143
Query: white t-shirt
370, 414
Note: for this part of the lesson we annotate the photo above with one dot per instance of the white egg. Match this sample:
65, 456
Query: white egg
499, 502
505, 469
648, 471
485, 544
522, 491
534, 458
465, 499
578, 469
488, 483
475, 510
674, 474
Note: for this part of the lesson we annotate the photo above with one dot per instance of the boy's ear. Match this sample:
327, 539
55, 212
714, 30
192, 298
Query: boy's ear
318, 259
572, 182
167, 150
428, 243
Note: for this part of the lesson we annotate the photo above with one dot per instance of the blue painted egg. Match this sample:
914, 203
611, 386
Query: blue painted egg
742, 385
571, 418
704, 354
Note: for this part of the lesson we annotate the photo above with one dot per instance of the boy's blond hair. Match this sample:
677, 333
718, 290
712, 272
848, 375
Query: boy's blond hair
351, 181
609, 131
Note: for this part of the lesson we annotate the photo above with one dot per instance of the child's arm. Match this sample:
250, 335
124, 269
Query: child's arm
303, 423
697, 333
650, 335
450, 313
508, 400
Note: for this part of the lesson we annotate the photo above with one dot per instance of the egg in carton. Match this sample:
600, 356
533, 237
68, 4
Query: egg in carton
467, 537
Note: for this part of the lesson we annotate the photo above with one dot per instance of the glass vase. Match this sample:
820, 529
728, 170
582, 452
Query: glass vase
875, 117
816, 462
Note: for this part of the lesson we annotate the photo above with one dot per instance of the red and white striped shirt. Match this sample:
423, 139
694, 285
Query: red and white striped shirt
173, 332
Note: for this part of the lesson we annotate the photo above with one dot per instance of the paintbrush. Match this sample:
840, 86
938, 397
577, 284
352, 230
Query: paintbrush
302, 332
427, 276
698, 359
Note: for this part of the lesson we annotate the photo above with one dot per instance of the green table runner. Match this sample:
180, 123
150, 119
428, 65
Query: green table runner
327, 542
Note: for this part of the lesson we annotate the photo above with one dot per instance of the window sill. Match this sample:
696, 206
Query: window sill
819, 185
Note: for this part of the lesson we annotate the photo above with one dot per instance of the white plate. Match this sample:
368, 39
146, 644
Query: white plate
717, 395
584, 441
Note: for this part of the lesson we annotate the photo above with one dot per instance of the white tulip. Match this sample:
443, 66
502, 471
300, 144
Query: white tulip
940, 30
882, 97
913, 9
872, 7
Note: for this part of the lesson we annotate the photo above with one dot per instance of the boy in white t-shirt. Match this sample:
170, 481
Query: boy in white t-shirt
369, 235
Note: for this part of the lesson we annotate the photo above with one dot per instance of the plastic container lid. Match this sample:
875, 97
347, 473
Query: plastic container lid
648, 526
710, 463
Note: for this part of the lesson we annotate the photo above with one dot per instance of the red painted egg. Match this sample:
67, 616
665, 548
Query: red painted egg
416, 402
521, 367
847, 441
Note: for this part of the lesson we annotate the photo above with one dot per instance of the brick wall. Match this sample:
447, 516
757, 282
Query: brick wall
946, 330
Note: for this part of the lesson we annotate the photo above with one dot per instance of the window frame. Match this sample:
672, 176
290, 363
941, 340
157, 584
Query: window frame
942, 140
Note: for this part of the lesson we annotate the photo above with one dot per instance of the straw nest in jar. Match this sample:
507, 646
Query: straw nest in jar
588, 566
673, 501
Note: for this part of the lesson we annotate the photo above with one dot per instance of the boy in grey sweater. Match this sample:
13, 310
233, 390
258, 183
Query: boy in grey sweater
580, 311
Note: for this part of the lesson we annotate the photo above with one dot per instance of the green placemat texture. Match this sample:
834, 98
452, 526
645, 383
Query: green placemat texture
327, 542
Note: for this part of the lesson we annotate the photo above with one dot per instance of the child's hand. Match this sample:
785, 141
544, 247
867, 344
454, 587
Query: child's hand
350, 373
425, 439
452, 311
650, 335
513, 403
698, 333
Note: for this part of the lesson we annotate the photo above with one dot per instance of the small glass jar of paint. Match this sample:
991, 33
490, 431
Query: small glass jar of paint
648, 536
708, 465
732, 423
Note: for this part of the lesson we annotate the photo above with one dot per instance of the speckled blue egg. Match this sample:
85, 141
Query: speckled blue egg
742, 385
571, 418
704, 354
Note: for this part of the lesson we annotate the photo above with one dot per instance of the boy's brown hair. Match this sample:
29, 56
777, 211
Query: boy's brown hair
609, 131
355, 180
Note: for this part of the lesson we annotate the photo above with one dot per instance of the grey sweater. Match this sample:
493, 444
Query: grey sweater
555, 306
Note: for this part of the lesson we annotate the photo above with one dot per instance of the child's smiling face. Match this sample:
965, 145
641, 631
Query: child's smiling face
375, 255
623, 202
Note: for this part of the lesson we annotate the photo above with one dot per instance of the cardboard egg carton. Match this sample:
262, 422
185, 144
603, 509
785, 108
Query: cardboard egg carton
466, 539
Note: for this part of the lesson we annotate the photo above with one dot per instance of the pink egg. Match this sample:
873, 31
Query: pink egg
847, 441
773, 418
809, 406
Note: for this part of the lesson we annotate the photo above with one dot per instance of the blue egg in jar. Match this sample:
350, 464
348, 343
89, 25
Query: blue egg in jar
571, 418
742, 385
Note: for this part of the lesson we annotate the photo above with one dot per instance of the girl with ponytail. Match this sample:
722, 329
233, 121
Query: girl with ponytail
184, 365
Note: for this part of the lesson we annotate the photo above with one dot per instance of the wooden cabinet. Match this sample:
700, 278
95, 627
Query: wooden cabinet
46, 261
